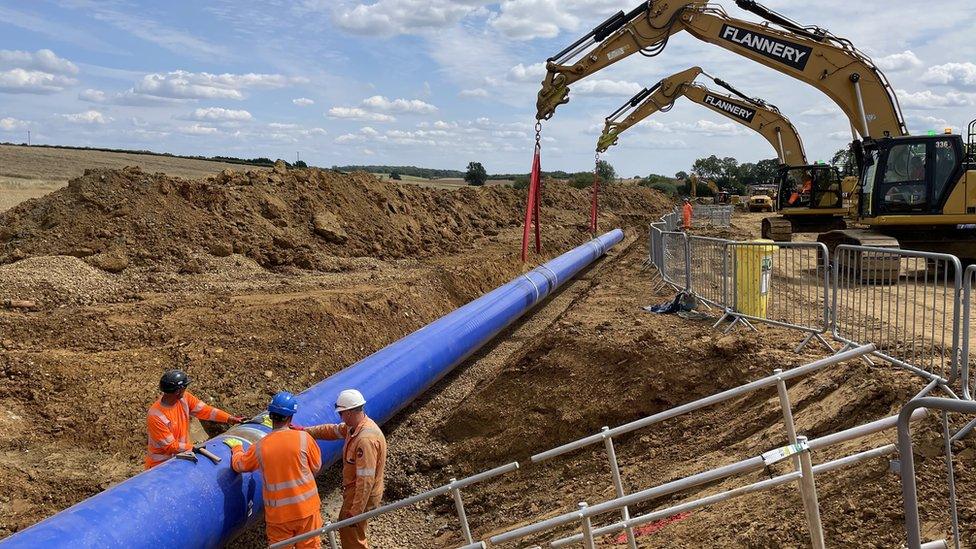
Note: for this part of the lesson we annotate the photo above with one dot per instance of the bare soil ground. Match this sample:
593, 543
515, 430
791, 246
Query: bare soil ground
604, 361
156, 272
132, 273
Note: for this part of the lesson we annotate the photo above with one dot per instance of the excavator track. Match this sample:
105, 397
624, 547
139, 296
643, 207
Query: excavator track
777, 228
864, 266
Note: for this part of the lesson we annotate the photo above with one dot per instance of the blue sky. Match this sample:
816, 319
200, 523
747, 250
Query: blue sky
434, 83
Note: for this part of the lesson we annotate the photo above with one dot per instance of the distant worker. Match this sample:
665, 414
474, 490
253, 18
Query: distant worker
798, 197
168, 421
686, 212
363, 461
288, 459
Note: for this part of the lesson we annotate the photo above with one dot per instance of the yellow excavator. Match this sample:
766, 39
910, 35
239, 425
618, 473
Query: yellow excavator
821, 208
914, 191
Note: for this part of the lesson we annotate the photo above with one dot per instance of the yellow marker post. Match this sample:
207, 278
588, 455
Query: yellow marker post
753, 275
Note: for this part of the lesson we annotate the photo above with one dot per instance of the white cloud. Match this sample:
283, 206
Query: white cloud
392, 17
960, 75
368, 131
189, 85
415, 106
533, 73
928, 99
303, 101
823, 109
923, 123
355, 113
90, 116
349, 138
33, 81
474, 92
41, 60
10, 124
606, 88
529, 19
220, 114
197, 129
93, 96
899, 61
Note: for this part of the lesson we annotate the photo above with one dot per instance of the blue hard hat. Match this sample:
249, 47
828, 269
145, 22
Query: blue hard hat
283, 404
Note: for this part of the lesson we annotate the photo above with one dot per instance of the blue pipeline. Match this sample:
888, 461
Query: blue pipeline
185, 504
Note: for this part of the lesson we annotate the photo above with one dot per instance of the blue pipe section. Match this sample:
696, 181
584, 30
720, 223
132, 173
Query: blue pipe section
185, 504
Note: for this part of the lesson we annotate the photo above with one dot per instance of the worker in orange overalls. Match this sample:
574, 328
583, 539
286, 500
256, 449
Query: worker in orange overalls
805, 190
686, 215
363, 462
288, 459
168, 421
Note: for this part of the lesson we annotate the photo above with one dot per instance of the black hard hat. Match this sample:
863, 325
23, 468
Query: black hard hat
174, 380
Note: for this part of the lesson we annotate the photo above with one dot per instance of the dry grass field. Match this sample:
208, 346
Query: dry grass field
29, 172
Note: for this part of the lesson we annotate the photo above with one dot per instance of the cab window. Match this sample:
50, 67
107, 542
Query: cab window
946, 161
903, 188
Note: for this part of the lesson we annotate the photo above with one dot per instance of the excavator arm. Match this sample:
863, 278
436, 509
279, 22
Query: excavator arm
755, 114
813, 55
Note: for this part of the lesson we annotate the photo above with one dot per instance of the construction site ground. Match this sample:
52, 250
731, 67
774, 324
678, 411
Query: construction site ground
262, 281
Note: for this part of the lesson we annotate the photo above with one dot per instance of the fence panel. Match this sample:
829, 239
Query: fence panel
782, 283
674, 251
968, 383
656, 246
709, 262
905, 302
716, 215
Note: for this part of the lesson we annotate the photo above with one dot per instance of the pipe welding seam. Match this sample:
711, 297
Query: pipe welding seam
203, 504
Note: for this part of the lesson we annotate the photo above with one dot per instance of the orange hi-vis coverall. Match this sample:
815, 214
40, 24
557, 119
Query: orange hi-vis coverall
363, 462
169, 426
686, 215
288, 460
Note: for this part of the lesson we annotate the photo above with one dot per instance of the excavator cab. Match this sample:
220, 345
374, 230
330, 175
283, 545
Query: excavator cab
816, 186
911, 176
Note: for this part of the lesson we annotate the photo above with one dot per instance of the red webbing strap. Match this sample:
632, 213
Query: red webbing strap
532, 200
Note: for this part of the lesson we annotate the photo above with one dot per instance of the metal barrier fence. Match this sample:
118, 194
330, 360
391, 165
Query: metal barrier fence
916, 306
967, 314
655, 254
453, 488
905, 302
797, 451
714, 214
708, 268
785, 284
674, 248
604, 437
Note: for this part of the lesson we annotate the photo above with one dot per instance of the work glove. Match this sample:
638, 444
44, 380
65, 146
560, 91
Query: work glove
235, 420
232, 442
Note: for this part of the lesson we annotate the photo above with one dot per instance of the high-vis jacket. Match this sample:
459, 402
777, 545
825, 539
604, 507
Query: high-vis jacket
288, 460
686, 215
363, 461
169, 426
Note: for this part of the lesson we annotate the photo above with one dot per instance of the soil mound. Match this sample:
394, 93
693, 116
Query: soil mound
56, 279
115, 219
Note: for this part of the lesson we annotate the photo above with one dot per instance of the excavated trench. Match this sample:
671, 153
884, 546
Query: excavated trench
81, 368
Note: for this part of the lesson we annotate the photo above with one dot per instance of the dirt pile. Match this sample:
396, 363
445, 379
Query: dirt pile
115, 219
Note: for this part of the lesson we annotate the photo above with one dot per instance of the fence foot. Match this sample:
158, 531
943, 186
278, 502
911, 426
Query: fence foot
804, 343
824, 342
964, 431
720, 320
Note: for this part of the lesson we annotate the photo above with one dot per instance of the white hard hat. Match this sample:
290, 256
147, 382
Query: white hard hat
349, 399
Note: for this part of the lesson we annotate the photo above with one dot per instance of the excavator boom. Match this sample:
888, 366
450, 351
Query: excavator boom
755, 114
829, 63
